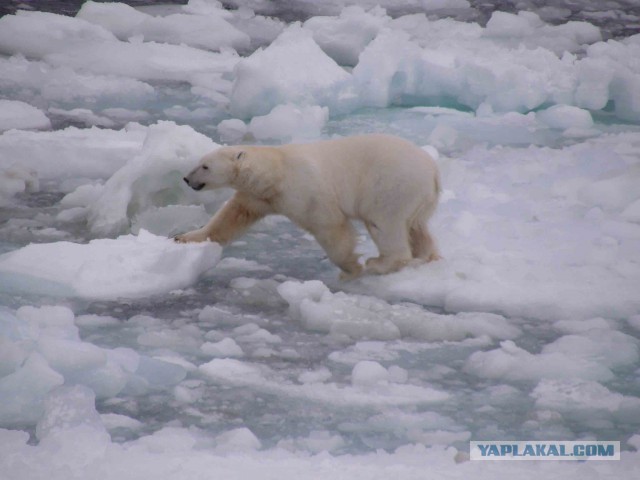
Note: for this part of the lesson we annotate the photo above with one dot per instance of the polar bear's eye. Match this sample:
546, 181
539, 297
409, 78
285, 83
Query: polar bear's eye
204, 167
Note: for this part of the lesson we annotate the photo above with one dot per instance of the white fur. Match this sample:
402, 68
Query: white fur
387, 182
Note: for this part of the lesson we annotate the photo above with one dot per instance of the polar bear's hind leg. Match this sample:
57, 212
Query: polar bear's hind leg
392, 240
423, 246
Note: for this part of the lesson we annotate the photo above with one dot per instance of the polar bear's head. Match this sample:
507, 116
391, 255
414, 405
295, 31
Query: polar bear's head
254, 170
216, 169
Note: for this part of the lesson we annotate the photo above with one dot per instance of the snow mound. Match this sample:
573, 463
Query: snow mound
127, 267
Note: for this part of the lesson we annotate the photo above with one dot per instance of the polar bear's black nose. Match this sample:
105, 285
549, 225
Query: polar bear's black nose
186, 180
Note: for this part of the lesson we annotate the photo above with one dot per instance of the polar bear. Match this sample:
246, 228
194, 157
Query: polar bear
387, 182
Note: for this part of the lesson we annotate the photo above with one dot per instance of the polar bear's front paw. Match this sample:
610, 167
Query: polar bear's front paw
192, 237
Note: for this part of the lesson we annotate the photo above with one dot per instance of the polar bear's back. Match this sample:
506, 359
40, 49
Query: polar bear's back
369, 171
361, 154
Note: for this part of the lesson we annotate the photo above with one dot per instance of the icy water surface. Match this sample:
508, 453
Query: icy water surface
123, 354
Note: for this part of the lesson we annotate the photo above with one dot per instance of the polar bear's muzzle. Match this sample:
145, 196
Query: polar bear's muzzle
195, 186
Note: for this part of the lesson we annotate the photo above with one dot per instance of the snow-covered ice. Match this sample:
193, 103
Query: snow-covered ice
22, 116
126, 355
126, 267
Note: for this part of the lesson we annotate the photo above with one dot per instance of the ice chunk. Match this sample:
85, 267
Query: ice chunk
566, 116
345, 36
67, 408
527, 28
232, 130
36, 34
152, 61
153, 178
229, 371
603, 346
113, 421
367, 373
159, 374
210, 31
305, 76
80, 153
316, 376
12, 354
237, 440
63, 85
359, 316
570, 394
251, 333
505, 24
76, 43
184, 338
127, 358
224, 348
289, 122
207, 7
129, 266
71, 428
262, 29
71, 357
382, 77
119, 18
231, 368
51, 332
22, 116
594, 77
511, 362
442, 69
46, 322
106, 381
608, 68
24, 390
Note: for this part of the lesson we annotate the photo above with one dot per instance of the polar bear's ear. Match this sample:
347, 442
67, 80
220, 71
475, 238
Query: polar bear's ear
240, 155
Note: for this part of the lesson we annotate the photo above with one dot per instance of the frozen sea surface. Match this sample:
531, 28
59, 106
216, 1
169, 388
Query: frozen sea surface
125, 355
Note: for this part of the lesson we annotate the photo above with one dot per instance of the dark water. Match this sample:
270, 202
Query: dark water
615, 18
